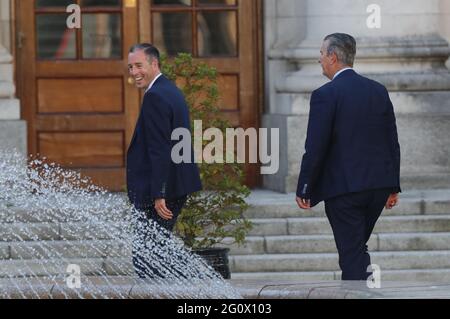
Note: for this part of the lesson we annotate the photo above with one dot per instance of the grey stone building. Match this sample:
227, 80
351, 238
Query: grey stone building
408, 52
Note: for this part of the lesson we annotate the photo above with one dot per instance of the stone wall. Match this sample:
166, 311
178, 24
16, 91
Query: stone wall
285, 26
445, 22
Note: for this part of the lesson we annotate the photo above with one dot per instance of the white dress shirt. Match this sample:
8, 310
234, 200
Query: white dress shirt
153, 82
336, 75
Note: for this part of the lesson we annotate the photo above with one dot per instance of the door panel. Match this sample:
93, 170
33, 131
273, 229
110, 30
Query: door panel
84, 150
86, 95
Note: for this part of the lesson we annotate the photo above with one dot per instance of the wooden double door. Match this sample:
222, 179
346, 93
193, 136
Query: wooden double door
76, 96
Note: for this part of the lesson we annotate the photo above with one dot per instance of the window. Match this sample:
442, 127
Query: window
204, 28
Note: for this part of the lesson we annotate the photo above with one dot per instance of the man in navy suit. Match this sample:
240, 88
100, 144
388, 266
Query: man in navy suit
352, 158
156, 184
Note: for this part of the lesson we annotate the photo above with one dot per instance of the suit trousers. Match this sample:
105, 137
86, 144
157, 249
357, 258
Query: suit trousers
146, 243
353, 217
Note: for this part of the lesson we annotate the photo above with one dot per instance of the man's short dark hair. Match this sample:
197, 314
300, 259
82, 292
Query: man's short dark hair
150, 51
344, 45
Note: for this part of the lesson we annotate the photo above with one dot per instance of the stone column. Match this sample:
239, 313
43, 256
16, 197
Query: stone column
284, 24
4, 24
407, 54
13, 130
445, 22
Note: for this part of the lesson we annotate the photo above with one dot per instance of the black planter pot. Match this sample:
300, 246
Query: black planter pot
217, 258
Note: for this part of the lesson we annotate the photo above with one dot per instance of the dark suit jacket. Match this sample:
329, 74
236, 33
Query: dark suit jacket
151, 173
352, 143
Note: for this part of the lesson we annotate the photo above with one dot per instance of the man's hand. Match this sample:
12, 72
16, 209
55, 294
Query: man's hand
392, 201
162, 210
303, 203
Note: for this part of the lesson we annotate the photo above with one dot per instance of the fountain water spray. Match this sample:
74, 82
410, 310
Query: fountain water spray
53, 221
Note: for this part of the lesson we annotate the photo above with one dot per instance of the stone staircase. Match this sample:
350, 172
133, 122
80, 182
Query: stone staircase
30, 247
411, 242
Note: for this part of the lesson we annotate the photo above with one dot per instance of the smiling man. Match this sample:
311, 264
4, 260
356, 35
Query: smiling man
156, 185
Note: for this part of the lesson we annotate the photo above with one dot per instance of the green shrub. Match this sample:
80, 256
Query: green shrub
216, 213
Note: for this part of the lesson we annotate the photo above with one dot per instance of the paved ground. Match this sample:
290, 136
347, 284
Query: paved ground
131, 288
342, 290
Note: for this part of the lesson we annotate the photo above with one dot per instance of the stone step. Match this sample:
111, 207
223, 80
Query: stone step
305, 244
438, 203
7, 90
320, 226
329, 262
19, 215
5, 56
413, 241
253, 246
64, 249
123, 267
262, 227
292, 245
267, 204
13, 214
59, 231
409, 275
293, 211
288, 277
425, 180
29, 232
378, 242
32, 216
268, 235
9, 110
59, 267
6, 72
